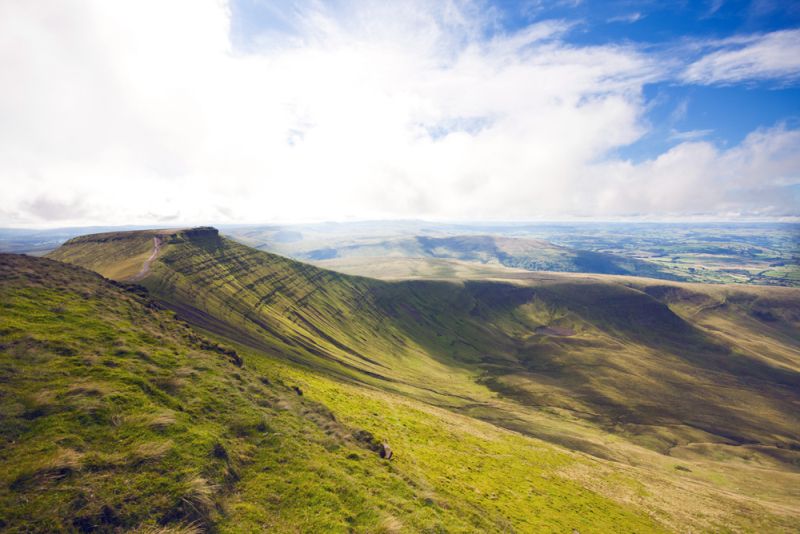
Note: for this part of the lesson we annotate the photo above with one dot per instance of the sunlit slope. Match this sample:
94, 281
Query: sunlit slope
115, 416
640, 371
622, 353
116, 255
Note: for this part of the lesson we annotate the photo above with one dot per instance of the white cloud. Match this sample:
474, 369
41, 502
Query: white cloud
772, 56
689, 135
630, 18
759, 177
131, 112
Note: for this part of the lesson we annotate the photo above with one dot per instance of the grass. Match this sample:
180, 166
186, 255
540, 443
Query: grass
92, 442
460, 380
104, 253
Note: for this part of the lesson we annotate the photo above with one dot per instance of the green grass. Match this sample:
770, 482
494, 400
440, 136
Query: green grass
653, 369
114, 417
108, 254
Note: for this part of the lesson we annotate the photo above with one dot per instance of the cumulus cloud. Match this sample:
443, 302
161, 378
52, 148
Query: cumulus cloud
759, 177
129, 112
772, 56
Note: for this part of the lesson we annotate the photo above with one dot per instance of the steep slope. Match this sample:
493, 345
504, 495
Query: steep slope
393, 268
620, 368
116, 416
571, 344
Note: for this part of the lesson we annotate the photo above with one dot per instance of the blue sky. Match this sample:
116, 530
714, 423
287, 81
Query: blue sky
267, 110
722, 113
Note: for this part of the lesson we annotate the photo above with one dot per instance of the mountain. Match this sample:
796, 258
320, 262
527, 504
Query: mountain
658, 392
117, 416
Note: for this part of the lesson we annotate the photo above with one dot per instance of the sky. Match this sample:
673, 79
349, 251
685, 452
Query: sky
172, 112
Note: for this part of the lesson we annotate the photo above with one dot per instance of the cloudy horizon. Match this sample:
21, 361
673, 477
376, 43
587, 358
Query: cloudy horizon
192, 111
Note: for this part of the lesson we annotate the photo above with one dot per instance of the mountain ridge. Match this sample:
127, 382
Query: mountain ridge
620, 368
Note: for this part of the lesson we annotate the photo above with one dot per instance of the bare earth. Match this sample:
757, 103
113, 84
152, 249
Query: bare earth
146, 265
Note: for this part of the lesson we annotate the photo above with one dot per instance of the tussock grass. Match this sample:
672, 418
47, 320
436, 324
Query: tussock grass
191, 528
151, 451
61, 464
162, 420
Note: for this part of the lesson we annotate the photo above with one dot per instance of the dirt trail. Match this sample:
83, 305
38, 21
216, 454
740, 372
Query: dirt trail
146, 265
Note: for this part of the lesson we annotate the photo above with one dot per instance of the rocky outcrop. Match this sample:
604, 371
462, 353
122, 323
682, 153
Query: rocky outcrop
199, 233
368, 440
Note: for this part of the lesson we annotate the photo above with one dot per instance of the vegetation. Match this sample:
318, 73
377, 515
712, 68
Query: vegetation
540, 403
115, 417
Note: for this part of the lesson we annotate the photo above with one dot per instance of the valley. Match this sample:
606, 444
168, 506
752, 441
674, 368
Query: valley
672, 403
753, 253
369, 267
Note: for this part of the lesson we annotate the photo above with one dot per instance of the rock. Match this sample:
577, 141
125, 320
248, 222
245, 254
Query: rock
219, 451
366, 437
232, 355
368, 440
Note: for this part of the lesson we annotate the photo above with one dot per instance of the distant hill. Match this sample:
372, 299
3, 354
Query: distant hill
735, 252
653, 375
520, 253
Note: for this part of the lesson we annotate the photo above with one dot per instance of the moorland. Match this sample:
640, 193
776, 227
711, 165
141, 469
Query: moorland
181, 380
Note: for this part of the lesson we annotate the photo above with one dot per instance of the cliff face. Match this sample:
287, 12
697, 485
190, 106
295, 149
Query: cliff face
205, 237
200, 232
174, 235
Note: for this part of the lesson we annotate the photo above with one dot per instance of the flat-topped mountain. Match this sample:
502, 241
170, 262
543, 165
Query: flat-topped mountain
200, 232
127, 255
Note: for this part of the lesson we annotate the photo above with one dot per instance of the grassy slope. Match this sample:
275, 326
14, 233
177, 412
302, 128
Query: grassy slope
426, 334
114, 416
636, 377
116, 257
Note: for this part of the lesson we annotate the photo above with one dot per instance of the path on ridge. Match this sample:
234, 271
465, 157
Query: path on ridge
146, 265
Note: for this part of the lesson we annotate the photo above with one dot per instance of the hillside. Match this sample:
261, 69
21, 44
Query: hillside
116, 416
646, 373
